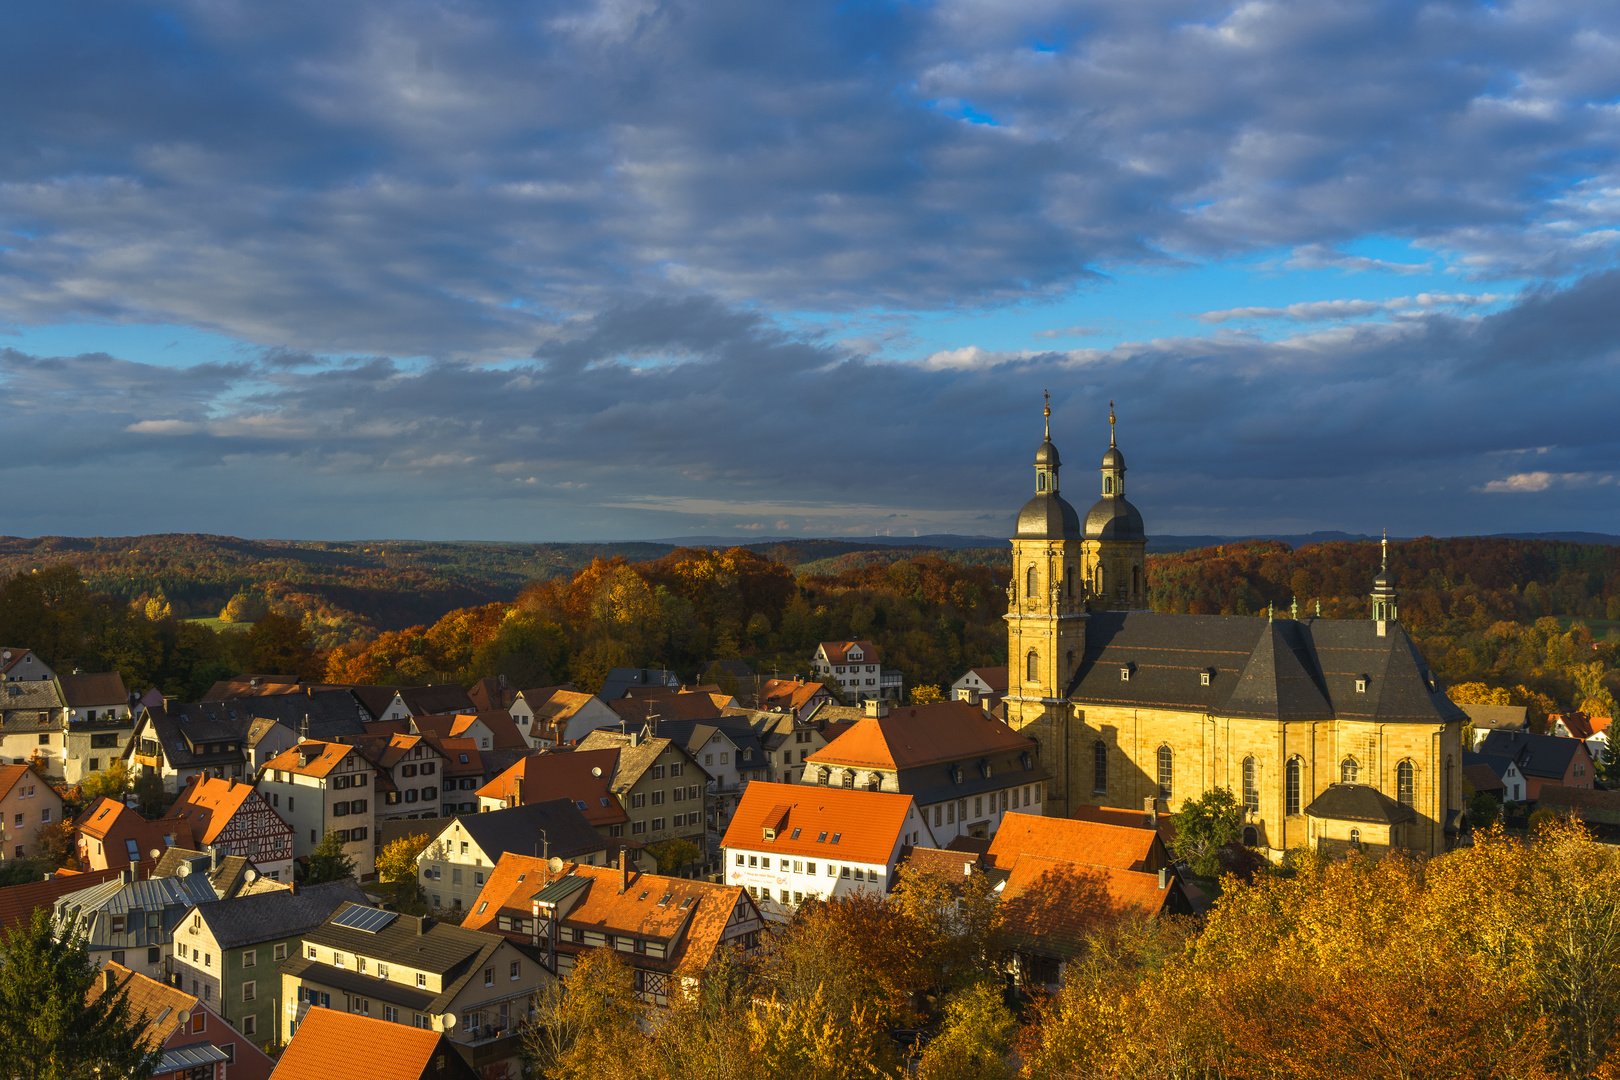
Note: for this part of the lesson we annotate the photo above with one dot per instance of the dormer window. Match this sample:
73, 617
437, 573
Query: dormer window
1203, 678
1026, 761
1361, 685
1125, 673
770, 833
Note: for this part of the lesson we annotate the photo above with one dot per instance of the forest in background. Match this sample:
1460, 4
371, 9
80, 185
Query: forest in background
1528, 621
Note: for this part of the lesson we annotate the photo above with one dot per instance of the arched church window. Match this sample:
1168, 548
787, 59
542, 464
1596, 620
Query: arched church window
1166, 772
1030, 582
1405, 786
1034, 662
1348, 771
1099, 767
1251, 785
1294, 785
1251, 836
1355, 837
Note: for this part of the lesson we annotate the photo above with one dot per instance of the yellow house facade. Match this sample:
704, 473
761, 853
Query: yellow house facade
1332, 733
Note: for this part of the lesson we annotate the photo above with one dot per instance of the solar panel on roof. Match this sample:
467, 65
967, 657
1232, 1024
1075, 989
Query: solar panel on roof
367, 919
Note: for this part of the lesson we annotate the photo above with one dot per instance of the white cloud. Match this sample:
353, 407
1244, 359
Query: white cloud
1541, 481
163, 427
1321, 310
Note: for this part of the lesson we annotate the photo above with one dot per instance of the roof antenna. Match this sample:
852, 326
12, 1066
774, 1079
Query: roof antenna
1110, 421
1048, 413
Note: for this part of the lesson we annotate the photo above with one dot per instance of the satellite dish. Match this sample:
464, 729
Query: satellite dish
596, 770
555, 864
184, 870
251, 874
449, 1021
156, 854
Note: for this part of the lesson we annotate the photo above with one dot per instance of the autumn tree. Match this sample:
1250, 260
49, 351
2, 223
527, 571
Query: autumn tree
113, 782
587, 1028
972, 1043
926, 695
1204, 826
54, 842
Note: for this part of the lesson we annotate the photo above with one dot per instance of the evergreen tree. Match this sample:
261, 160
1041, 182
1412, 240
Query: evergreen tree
328, 862
50, 1027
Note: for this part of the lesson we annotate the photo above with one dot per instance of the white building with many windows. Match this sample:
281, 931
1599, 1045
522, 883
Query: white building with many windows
857, 668
791, 842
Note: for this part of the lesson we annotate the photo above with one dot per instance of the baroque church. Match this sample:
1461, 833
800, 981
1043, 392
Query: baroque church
1332, 733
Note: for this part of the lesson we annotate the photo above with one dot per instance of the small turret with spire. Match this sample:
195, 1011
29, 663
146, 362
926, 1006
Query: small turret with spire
1383, 590
1046, 458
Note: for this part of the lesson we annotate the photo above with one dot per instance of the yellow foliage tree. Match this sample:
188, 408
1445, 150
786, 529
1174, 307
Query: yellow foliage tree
926, 695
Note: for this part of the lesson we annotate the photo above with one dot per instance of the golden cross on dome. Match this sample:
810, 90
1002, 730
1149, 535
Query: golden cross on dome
1047, 412
1110, 422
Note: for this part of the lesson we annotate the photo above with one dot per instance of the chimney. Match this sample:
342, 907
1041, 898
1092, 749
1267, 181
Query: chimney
624, 871
1164, 877
292, 888
125, 876
876, 708
109, 980
799, 678
969, 694
422, 923
213, 856
1150, 813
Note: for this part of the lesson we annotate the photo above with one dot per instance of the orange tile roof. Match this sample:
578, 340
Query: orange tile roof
568, 775
453, 749
837, 650
1051, 903
1091, 842
789, 692
327, 756
1130, 819
653, 906
205, 807
1580, 725
868, 824
10, 774
331, 1042
916, 735
111, 823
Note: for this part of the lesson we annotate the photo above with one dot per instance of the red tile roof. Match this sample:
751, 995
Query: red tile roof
110, 823
17, 902
837, 650
993, 677
916, 735
568, 775
332, 1043
10, 774
323, 758
867, 824
1580, 725
789, 693
1130, 819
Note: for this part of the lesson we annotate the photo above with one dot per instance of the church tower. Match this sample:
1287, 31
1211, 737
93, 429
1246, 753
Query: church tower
1046, 611
1115, 564
1383, 591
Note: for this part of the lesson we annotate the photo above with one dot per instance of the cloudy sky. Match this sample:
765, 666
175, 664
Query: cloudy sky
628, 268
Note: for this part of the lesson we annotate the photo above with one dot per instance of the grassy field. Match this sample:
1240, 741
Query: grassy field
218, 625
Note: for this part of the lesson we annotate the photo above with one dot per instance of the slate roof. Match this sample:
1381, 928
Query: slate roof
331, 713
23, 701
331, 1042
621, 679
636, 711
229, 878
450, 951
517, 828
93, 691
1358, 802
1282, 669
437, 698
1544, 756
273, 915
695, 734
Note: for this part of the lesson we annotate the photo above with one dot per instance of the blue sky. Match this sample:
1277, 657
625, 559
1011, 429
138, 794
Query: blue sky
632, 268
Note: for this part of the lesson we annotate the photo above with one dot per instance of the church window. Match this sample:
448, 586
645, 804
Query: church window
1029, 582
1166, 772
1404, 786
1295, 783
1034, 672
1251, 785
1099, 767
1348, 770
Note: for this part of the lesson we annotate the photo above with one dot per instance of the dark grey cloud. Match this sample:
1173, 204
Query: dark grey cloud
1438, 423
459, 180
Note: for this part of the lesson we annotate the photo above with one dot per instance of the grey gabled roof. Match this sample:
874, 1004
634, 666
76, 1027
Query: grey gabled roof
446, 949
268, 916
693, 734
1358, 802
517, 828
1283, 669
1545, 756
153, 894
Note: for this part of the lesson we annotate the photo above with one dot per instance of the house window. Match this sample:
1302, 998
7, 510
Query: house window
1166, 772
1099, 767
250, 1025
1355, 837
1405, 788
516, 971
1251, 786
1294, 783
1348, 771
249, 990
250, 958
